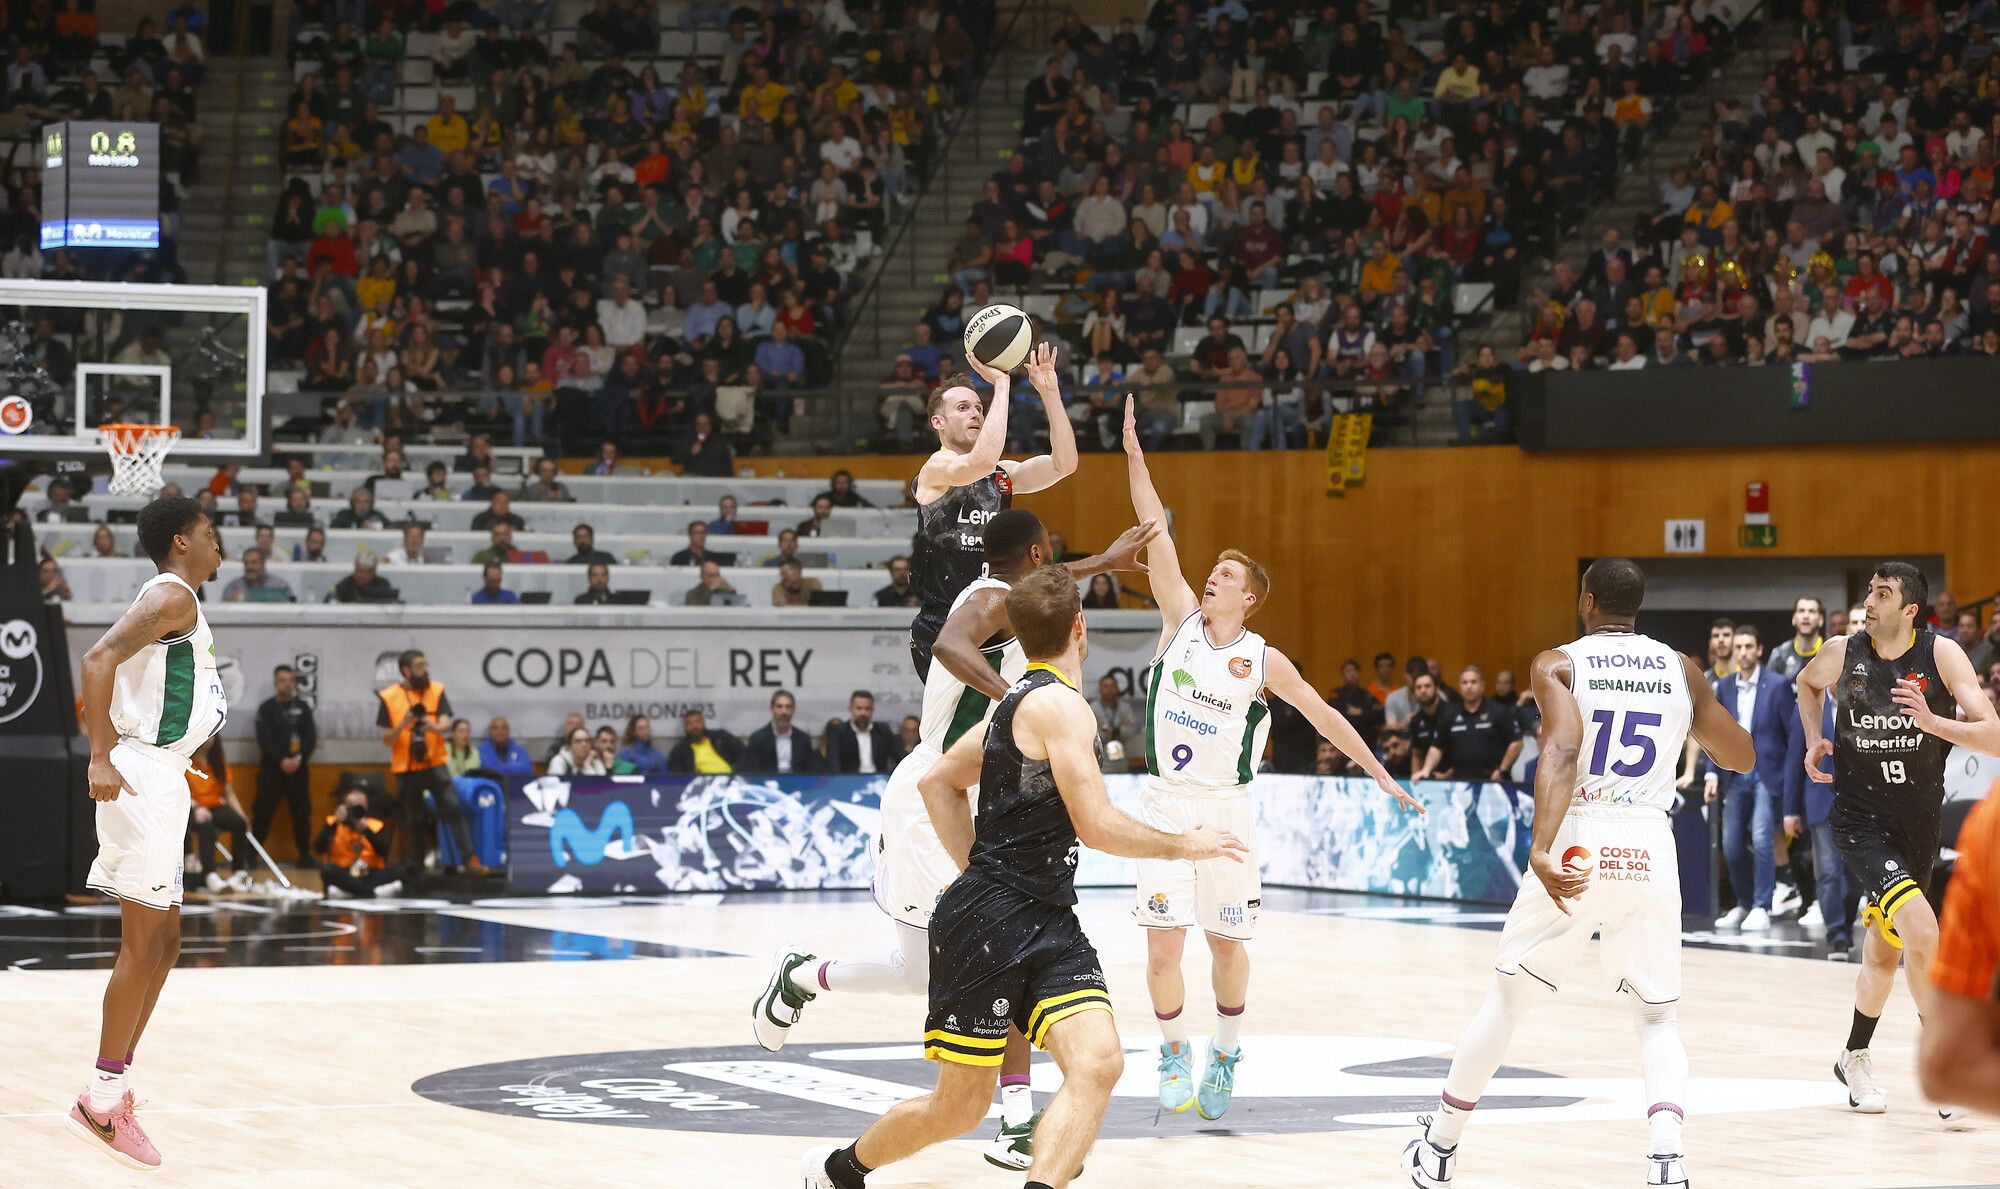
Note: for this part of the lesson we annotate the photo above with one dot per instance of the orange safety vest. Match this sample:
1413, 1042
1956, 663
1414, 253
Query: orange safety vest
350, 844
397, 698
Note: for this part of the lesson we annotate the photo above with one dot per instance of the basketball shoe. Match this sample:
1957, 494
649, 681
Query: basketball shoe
812, 1167
1176, 1076
118, 1135
1856, 1070
1429, 1166
782, 1000
1668, 1170
1218, 1083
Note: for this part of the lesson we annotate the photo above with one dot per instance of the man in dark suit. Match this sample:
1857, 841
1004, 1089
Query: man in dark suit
778, 747
1767, 706
861, 744
702, 752
1809, 810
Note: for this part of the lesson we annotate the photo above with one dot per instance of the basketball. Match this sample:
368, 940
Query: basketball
999, 337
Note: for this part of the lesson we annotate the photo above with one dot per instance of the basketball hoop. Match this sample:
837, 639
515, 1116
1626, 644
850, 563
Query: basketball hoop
137, 454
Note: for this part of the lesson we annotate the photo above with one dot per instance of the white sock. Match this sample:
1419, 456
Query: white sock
1226, 1025
1663, 1060
1017, 1102
1172, 1027
1480, 1049
106, 1089
878, 971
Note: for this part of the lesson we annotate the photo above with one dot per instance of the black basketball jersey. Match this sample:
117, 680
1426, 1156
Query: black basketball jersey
949, 550
1881, 762
1023, 836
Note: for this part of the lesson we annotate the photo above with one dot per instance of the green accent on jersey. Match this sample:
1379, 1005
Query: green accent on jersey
970, 709
1154, 675
1182, 678
1245, 761
177, 702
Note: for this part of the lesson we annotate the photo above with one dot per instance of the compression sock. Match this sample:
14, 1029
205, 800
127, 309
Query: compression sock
1862, 1032
1450, 1122
106, 1088
1017, 1103
1172, 1027
847, 1171
1227, 1021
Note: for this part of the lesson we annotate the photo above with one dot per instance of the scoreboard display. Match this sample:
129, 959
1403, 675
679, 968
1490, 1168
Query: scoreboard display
100, 185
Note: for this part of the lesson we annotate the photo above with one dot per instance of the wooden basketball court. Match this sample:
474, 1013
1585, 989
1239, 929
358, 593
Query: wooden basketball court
604, 1043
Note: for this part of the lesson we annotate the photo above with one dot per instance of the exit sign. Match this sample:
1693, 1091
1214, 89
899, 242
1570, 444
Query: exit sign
1757, 536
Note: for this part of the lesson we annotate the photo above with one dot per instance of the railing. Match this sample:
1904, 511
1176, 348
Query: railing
860, 418
945, 185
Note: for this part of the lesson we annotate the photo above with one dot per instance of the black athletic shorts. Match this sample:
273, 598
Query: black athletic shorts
1001, 957
923, 636
1891, 858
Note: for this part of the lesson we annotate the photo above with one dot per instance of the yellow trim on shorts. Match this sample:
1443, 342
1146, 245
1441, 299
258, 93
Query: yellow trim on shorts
1061, 1007
1899, 894
942, 1045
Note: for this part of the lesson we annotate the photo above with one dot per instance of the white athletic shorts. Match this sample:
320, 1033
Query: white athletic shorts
912, 868
1634, 900
141, 834
1220, 895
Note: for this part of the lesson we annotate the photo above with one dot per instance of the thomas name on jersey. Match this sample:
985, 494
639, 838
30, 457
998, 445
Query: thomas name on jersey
1619, 660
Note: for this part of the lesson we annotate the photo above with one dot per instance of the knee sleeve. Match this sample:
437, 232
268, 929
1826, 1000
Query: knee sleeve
913, 958
1647, 1016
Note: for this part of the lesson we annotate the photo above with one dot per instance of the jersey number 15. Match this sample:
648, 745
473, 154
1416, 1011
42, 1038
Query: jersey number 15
1637, 724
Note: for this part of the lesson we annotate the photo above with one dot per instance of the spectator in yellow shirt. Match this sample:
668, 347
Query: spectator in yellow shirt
1458, 82
702, 752
448, 130
1709, 212
1243, 167
763, 98
837, 94
1204, 173
1378, 273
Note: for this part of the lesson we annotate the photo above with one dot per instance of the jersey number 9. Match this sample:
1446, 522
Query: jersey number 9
1182, 754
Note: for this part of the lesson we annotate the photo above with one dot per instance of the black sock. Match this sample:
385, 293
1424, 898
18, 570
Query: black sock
1862, 1032
846, 1171
1785, 873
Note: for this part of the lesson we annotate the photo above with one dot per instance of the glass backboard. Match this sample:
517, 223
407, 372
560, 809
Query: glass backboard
75, 355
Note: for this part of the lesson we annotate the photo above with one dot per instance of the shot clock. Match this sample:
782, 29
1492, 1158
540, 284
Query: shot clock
100, 185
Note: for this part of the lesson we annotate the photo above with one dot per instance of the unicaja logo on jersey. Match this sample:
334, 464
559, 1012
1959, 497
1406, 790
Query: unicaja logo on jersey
1184, 686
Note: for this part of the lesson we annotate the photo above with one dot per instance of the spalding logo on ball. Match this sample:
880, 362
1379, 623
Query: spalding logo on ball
999, 336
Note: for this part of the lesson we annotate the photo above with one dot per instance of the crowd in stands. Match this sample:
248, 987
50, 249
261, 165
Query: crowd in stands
61, 65
612, 232
1843, 213
1314, 201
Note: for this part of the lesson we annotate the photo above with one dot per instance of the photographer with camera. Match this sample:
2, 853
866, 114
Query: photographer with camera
410, 719
352, 851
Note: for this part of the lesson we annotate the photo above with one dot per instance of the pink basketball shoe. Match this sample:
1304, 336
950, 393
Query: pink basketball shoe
118, 1135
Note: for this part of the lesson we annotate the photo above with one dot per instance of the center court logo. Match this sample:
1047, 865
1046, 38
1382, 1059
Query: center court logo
1289, 1085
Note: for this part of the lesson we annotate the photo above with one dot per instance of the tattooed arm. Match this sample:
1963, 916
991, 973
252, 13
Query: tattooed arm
165, 610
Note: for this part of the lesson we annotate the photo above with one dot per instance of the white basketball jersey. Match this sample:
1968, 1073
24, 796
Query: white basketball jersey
951, 707
1206, 719
167, 695
1633, 695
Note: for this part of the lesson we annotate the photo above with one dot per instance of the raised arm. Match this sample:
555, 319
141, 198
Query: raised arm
1728, 745
1171, 591
1814, 680
945, 470
977, 620
165, 610
1555, 775
1282, 678
1977, 727
1046, 470
944, 792
1124, 553
1054, 723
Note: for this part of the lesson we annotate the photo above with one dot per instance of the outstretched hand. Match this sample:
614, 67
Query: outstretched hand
1042, 369
1131, 426
1401, 795
1124, 552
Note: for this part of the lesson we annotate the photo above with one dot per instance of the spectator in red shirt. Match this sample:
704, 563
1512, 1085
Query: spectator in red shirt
1259, 248
1868, 279
1013, 254
337, 249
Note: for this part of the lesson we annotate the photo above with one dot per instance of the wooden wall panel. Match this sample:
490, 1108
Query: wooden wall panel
1470, 554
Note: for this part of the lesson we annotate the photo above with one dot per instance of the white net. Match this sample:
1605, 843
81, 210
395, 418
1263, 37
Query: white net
137, 454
